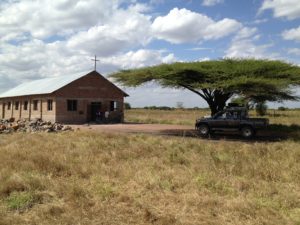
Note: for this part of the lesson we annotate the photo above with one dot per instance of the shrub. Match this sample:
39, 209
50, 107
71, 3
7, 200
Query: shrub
158, 107
281, 108
127, 105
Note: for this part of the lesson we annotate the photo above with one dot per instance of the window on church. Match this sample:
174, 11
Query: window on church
8, 105
16, 105
50, 104
72, 105
25, 105
35, 105
113, 106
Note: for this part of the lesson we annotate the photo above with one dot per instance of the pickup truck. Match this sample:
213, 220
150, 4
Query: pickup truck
231, 119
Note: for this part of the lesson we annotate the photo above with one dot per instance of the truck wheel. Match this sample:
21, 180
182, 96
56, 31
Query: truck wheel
203, 129
247, 132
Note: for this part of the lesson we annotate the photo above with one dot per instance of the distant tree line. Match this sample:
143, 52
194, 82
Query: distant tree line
261, 109
153, 107
159, 107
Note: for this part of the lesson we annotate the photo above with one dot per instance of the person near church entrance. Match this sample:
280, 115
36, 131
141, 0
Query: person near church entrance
98, 116
106, 115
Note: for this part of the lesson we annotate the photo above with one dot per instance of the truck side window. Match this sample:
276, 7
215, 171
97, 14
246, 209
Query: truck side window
229, 115
235, 115
221, 115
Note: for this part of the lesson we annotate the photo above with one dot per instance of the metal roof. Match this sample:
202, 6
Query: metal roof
47, 86
42, 86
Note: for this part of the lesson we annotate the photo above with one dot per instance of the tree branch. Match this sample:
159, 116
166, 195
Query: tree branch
207, 93
193, 90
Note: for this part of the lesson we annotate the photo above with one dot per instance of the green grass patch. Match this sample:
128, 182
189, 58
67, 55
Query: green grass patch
20, 200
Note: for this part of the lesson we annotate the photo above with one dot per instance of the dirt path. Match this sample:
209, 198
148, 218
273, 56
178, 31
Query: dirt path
163, 129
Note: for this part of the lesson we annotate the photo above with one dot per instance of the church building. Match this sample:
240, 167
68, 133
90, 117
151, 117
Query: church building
65, 99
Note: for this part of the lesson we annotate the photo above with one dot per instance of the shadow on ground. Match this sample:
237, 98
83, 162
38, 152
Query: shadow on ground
274, 133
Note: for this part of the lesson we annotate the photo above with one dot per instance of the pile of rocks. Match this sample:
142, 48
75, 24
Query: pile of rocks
36, 125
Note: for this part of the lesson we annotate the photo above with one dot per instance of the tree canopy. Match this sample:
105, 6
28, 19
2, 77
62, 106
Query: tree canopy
217, 81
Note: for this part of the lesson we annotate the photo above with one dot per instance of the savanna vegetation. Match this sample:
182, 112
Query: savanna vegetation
93, 178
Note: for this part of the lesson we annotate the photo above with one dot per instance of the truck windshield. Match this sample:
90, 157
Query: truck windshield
239, 114
224, 115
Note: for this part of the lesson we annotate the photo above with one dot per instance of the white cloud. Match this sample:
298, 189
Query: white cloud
154, 94
90, 26
43, 18
182, 25
259, 21
245, 32
200, 49
247, 49
243, 46
292, 34
140, 58
125, 28
282, 8
294, 51
211, 2
35, 59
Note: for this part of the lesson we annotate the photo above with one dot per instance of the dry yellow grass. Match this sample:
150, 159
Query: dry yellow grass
188, 117
178, 116
92, 178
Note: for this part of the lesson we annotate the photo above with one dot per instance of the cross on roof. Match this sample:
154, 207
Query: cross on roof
95, 62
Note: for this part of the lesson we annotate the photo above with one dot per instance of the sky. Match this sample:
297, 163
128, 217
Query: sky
42, 38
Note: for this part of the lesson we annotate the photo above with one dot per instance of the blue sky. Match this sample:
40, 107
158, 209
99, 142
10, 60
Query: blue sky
40, 38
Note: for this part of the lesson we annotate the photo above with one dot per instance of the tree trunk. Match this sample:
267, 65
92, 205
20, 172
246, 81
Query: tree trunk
216, 107
217, 101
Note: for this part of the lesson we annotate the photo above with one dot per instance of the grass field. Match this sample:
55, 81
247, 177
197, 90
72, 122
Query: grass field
92, 178
188, 117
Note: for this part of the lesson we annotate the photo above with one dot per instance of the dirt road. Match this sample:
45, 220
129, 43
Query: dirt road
163, 129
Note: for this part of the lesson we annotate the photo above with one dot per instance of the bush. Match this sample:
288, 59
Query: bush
281, 108
127, 105
158, 107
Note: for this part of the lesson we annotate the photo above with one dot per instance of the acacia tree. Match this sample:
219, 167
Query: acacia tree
218, 80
